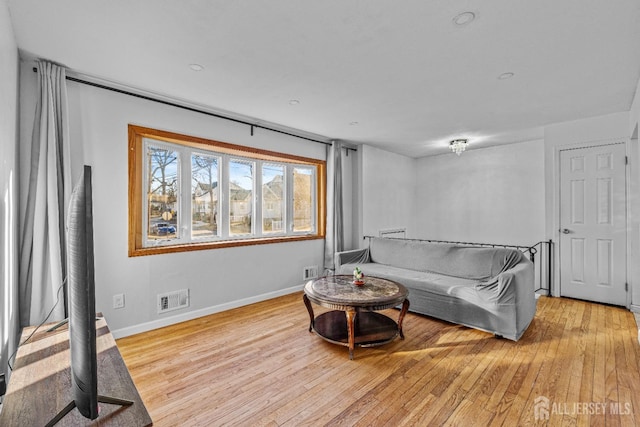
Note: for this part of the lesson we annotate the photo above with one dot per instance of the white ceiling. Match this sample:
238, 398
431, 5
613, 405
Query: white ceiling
403, 71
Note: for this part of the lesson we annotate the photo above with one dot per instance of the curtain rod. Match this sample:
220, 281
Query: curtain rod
195, 110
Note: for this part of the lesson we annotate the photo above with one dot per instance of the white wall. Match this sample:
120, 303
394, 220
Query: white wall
489, 195
219, 278
9, 327
485, 195
386, 198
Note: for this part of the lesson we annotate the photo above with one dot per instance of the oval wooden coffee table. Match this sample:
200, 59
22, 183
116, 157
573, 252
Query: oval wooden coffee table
353, 321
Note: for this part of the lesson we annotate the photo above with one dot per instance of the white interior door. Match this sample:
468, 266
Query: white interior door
593, 221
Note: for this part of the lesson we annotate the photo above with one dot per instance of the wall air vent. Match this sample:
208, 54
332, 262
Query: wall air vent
394, 232
310, 272
173, 300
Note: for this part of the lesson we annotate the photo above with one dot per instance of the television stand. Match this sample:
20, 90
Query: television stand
58, 325
62, 323
41, 379
72, 405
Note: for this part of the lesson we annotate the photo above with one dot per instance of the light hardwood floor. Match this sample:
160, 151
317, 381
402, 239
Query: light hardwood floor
259, 365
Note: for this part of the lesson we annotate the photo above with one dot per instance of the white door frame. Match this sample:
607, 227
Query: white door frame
555, 286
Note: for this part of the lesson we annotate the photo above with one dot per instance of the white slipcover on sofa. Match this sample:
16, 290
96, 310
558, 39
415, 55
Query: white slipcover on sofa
491, 289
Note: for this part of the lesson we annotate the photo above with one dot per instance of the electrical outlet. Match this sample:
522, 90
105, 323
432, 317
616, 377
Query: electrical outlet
118, 301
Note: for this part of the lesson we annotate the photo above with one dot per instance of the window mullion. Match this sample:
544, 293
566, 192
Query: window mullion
285, 211
289, 207
314, 203
184, 216
257, 200
224, 197
254, 197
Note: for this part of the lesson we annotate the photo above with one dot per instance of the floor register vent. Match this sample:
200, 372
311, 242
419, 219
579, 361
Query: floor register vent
173, 300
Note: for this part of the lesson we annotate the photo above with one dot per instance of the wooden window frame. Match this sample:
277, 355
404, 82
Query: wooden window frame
137, 134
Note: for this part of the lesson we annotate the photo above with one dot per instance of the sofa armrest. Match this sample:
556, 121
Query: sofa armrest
513, 286
522, 284
521, 278
356, 256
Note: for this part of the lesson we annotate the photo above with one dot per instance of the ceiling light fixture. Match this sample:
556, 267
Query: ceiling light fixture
458, 145
353, 124
294, 102
464, 18
196, 67
505, 76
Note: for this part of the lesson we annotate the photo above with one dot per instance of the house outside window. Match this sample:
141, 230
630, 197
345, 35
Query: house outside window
188, 193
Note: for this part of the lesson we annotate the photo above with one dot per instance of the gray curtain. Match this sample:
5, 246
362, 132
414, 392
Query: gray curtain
42, 255
334, 239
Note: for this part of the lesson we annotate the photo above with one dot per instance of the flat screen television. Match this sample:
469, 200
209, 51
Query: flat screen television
82, 305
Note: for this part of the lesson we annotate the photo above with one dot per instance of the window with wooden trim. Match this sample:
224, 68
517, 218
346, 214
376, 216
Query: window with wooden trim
188, 193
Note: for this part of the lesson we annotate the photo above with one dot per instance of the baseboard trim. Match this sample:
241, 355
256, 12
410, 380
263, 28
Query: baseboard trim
183, 317
538, 294
634, 308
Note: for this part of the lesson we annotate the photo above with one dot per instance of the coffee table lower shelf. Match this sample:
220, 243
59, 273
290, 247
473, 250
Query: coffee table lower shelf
370, 328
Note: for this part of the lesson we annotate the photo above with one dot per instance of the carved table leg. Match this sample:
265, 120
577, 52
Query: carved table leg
351, 314
405, 308
307, 303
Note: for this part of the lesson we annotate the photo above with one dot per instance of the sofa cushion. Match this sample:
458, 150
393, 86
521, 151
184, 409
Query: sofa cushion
474, 263
438, 283
472, 291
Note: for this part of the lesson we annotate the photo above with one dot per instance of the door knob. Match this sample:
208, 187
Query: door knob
566, 231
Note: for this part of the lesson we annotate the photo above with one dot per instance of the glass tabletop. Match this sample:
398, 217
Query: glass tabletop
340, 289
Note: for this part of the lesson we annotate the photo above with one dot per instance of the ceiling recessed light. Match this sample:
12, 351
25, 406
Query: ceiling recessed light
196, 67
464, 18
353, 124
505, 76
294, 102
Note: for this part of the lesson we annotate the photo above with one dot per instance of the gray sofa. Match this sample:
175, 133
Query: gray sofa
491, 289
